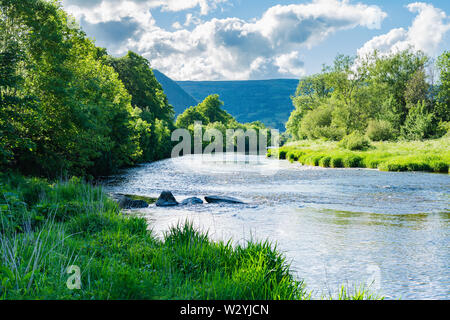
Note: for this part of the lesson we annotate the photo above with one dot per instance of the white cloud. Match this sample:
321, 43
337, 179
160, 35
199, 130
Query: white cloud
425, 33
192, 20
290, 63
233, 48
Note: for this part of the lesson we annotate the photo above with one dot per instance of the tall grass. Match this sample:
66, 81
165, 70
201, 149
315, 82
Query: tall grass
429, 156
71, 223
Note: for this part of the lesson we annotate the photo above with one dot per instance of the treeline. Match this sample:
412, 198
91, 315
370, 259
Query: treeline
215, 122
66, 106
399, 96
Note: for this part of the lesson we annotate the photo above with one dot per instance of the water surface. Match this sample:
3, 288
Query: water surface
389, 231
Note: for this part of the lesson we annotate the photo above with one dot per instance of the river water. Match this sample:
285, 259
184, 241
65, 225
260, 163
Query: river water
353, 227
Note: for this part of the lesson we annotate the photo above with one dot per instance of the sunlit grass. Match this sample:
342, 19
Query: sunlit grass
430, 155
46, 228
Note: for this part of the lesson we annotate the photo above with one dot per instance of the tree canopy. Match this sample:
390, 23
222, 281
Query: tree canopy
392, 93
68, 108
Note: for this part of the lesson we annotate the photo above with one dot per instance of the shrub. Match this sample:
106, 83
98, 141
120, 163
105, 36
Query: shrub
380, 130
352, 161
317, 124
439, 166
336, 162
419, 123
355, 141
325, 162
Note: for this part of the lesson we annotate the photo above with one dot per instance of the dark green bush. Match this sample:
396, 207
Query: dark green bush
325, 162
352, 161
336, 162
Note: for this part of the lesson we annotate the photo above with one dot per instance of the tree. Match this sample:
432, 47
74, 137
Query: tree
211, 109
417, 88
208, 111
419, 123
146, 92
443, 98
189, 117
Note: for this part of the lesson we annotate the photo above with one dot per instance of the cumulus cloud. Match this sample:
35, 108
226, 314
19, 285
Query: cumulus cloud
232, 48
425, 34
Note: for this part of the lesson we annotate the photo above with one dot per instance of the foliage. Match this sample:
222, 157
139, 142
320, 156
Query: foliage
120, 259
64, 109
354, 141
213, 118
392, 89
319, 124
265, 100
443, 98
430, 155
419, 123
380, 130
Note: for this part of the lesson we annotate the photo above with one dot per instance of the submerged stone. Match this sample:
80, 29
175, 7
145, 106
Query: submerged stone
166, 199
222, 199
192, 201
127, 203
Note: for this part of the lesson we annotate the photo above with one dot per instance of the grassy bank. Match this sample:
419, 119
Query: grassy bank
430, 155
46, 228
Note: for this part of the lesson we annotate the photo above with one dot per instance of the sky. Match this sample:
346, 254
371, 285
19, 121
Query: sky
259, 39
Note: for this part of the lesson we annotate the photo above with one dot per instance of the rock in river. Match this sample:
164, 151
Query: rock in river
127, 203
192, 201
222, 199
166, 199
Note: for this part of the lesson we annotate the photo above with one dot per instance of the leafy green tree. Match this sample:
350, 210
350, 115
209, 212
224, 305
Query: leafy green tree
391, 75
190, 116
346, 96
83, 122
419, 123
211, 109
146, 92
154, 109
208, 111
417, 88
443, 99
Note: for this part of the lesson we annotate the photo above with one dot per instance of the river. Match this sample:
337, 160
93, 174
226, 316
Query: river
387, 231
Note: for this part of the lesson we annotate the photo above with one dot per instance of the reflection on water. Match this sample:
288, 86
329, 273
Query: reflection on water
337, 226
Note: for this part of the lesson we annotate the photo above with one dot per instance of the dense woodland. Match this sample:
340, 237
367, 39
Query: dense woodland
68, 107
383, 97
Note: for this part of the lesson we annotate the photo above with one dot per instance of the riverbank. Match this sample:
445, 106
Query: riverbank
429, 155
46, 228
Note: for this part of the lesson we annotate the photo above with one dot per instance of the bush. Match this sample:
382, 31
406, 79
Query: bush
325, 162
380, 130
419, 123
352, 161
355, 141
317, 124
336, 162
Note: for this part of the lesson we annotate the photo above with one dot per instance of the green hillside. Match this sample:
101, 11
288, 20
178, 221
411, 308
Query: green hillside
265, 100
178, 98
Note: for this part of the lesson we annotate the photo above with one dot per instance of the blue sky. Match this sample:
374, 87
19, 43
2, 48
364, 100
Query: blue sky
259, 39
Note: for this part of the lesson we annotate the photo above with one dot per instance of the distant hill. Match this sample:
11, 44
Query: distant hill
265, 100
178, 98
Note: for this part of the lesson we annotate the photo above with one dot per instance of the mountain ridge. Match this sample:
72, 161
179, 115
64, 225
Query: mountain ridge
268, 101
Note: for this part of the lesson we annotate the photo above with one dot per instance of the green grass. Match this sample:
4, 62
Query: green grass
429, 156
46, 228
